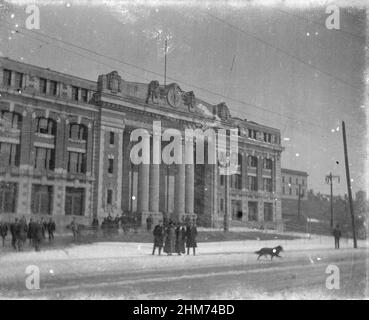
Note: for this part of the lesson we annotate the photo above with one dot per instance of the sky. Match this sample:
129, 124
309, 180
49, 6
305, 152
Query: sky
275, 63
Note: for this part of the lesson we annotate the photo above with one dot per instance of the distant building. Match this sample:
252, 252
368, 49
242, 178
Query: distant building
360, 196
291, 180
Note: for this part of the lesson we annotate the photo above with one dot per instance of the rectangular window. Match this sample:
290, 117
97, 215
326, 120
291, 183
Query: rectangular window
290, 191
252, 161
75, 93
283, 179
41, 199
268, 211
9, 154
84, 95
268, 164
268, 186
238, 181
53, 88
111, 166
265, 137
43, 85
290, 179
297, 181
18, 80
76, 162
7, 77
284, 190
253, 183
222, 180
253, 211
8, 197
303, 182
111, 138
74, 201
44, 158
109, 197
297, 192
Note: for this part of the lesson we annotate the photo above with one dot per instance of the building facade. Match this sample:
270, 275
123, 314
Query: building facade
66, 147
292, 182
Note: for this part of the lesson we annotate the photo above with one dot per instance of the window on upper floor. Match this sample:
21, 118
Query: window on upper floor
111, 166
76, 162
109, 197
78, 132
303, 182
7, 77
11, 119
44, 158
268, 164
9, 154
53, 88
253, 183
252, 134
111, 138
18, 83
283, 179
84, 95
46, 126
75, 93
290, 180
297, 181
43, 85
268, 184
252, 161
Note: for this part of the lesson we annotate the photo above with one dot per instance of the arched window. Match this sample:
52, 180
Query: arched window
46, 126
78, 132
11, 119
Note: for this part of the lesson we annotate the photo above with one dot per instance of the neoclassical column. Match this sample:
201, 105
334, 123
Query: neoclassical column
154, 187
143, 188
179, 193
190, 186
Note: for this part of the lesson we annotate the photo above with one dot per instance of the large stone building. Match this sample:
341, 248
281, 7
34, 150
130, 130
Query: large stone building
65, 151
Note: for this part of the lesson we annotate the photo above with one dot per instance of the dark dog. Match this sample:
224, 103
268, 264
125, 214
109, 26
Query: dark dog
272, 252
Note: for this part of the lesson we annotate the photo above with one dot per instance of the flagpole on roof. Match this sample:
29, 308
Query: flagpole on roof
165, 62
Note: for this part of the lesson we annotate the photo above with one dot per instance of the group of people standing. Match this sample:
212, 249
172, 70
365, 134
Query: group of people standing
20, 231
175, 238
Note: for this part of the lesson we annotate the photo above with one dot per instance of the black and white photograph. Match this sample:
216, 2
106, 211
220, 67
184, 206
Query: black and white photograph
194, 150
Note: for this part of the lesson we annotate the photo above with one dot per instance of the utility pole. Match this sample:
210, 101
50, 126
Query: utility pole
329, 179
349, 184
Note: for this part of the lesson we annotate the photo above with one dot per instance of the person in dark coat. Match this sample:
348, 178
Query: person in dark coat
337, 236
169, 239
30, 231
191, 234
3, 231
149, 222
180, 240
13, 232
51, 227
21, 233
158, 238
37, 235
44, 228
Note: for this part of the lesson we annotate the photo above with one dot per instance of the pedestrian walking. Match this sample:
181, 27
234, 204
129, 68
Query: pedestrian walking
149, 222
337, 236
191, 234
13, 233
30, 231
3, 231
51, 227
158, 238
21, 233
180, 240
37, 235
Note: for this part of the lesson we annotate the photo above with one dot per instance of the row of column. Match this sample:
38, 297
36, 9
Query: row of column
149, 184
